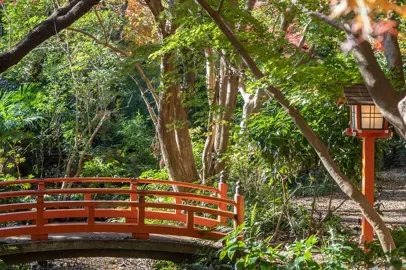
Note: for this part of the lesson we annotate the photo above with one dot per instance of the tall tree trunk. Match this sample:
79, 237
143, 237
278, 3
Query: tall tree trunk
345, 185
228, 91
394, 58
212, 93
173, 126
222, 101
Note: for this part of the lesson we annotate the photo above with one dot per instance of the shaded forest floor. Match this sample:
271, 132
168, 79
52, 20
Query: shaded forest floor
390, 196
95, 264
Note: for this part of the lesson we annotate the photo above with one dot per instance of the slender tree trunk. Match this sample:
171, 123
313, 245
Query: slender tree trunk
212, 93
346, 186
85, 145
105, 116
173, 127
222, 101
227, 102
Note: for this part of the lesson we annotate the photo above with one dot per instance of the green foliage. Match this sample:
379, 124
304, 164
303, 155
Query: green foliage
155, 174
335, 251
165, 265
254, 253
125, 153
285, 148
399, 236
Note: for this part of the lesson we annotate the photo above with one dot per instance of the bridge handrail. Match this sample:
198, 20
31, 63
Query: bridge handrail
182, 195
109, 180
196, 209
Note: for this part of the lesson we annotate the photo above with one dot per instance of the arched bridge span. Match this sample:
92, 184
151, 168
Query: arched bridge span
144, 219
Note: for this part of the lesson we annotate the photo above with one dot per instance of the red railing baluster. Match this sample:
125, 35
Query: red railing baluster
90, 215
178, 201
90, 210
141, 218
133, 198
222, 195
87, 197
239, 208
190, 224
39, 221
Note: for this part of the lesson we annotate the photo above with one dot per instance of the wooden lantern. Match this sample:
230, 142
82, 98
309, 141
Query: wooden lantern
366, 120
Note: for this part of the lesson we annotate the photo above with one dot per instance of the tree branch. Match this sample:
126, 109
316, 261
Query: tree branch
385, 97
106, 37
105, 116
124, 53
334, 23
303, 38
220, 6
148, 82
105, 44
144, 97
59, 20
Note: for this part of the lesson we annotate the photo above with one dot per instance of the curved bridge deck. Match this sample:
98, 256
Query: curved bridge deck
172, 248
52, 219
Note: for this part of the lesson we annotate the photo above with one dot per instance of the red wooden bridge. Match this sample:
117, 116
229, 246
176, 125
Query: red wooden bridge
196, 211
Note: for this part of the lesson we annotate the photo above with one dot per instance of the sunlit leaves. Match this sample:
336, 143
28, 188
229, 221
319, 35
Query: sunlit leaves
140, 29
365, 13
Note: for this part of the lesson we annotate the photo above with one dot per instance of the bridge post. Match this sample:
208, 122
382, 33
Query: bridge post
190, 224
141, 218
239, 208
222, 195
90, 210
178, 201
90, 215
133, 199
87, 197
39, 221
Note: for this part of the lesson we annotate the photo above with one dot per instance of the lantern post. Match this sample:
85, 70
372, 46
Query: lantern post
366, 122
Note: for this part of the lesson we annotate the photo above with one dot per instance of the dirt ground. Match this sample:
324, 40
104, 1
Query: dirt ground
95, 264
390, 200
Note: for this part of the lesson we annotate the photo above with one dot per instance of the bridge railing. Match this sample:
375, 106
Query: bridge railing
200, 214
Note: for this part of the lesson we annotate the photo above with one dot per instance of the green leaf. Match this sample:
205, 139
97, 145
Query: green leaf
223, 253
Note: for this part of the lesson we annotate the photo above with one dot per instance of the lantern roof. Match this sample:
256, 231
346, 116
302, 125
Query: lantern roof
357, 94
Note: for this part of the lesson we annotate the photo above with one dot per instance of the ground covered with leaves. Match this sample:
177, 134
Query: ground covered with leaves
93, 264
390, 193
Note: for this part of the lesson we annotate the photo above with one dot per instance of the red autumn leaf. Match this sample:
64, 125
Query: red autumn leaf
389, 26
378, 45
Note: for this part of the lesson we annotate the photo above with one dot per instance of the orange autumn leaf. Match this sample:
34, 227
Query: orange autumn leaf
365, 11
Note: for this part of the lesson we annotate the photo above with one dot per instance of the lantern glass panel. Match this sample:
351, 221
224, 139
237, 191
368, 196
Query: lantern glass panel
371, 117
354, 117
